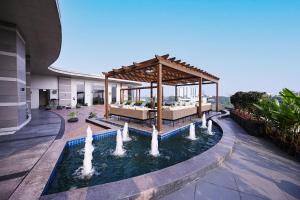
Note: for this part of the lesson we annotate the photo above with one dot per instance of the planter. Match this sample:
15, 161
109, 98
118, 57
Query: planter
59, 107
72, 120
68, 107
252, 127
297, 155
291, 150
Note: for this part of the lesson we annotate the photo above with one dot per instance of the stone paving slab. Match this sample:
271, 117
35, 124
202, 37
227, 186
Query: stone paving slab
19, 152
257, 169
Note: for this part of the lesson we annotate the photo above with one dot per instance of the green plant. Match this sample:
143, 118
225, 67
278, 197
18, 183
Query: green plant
72, 115
138, 103
92, 115
128, 102
284, 115
244, 100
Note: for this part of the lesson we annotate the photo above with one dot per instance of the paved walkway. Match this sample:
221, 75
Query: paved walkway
19, 152
256, 170
77, 129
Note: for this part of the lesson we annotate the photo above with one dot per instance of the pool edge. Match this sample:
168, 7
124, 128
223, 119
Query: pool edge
159, 183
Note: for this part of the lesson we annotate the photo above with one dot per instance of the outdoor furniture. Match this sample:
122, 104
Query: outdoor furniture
180, 112
130, 112
206, 107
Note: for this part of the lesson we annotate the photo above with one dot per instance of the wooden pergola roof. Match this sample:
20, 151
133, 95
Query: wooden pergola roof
174, 72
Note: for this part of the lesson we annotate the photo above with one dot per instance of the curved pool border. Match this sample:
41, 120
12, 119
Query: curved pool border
159, 183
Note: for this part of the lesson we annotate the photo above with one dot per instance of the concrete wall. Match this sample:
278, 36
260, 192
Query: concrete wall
28, 84
74, 83
64, 89
13, 107
42, 82
67, 89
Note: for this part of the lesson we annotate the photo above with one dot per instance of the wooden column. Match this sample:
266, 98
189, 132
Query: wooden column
162, 94
176, 93
217, 97
121, 96
151, 95
200, 98
106, 97
136, 95
159, 97
139, 94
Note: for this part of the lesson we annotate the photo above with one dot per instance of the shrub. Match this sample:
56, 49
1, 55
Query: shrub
92, 115
284, 115
245, 100
138, 103
72, 115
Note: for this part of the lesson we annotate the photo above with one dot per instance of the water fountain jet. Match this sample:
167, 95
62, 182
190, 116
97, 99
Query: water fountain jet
119, 145
125, 135
209, 128
87, 169
203, 121
154, 143
192, 135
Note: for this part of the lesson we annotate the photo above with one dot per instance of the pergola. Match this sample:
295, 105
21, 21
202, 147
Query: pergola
163, 70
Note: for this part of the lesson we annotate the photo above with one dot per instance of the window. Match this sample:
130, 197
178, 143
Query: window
80, 94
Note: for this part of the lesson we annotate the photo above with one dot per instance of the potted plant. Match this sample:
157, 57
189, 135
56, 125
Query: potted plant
68, 106
48, 107
72, 117
92, 115
59, 107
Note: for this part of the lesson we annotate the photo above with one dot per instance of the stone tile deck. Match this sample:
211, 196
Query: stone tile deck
19, 152
257, 170
77, 129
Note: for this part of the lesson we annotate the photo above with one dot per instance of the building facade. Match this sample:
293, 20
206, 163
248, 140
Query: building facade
67, 88
30, 41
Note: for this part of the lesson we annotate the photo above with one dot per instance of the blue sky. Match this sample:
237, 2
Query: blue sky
250, 45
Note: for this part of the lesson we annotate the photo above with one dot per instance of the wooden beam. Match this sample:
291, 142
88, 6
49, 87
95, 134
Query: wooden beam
177, 66
178, 79
200, 98
136, 66
151, 95
191, 84
106, 97
139, 88
159, 97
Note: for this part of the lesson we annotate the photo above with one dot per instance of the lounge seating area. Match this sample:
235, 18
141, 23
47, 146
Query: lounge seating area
131, 112
139, 110
154, 74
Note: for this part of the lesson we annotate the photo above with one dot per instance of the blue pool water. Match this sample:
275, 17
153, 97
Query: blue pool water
136, 161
